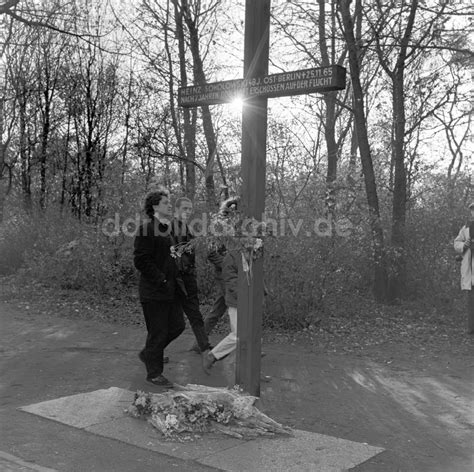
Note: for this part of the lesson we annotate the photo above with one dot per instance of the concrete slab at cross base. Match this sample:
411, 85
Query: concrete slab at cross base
9, 463
102, 412
85, 409
305, 452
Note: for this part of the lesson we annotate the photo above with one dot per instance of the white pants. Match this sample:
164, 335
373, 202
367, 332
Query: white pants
229, 343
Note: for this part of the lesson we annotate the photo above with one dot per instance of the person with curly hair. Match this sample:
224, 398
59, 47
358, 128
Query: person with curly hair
159, 285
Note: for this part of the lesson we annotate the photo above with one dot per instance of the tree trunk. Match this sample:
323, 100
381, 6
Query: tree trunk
65, 163
3, 153
189, 116
44, 148
330, 122
24, 158
379, 261
397, 279
190, 140
126, 138
352, 168
87, 173
209, 133
211, 157
332, 150
2, 199
76, 194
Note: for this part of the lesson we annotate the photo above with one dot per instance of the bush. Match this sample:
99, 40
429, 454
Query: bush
301, 273
432, 271
308, 278
64, 252
16, 235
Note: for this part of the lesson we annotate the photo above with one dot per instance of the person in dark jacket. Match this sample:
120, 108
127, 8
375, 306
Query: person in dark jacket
181, 234
158, 285
219, 307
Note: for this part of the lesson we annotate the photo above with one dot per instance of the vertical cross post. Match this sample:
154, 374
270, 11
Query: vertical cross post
254, 137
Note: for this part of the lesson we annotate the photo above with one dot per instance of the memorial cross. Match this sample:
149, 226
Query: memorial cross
255, 89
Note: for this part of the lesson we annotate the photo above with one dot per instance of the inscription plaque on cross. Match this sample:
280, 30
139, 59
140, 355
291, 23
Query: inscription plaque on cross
255, 89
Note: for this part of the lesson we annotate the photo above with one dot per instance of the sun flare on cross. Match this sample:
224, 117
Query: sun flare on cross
236, 104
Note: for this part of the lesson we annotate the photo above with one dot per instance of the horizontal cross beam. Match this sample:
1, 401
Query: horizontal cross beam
318, 79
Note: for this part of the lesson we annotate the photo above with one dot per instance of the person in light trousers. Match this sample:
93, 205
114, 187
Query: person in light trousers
230, 274
464, 246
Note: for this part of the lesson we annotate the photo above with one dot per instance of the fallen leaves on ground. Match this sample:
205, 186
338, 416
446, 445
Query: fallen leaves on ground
367, 327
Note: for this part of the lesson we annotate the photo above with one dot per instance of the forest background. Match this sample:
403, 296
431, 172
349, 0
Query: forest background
90, 124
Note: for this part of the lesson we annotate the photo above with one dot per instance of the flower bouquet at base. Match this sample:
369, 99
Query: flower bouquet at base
197, 409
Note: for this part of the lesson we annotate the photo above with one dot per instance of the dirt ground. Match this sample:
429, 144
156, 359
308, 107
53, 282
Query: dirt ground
411, 394
420, 410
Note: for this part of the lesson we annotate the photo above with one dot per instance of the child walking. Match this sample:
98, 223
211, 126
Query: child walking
230, 275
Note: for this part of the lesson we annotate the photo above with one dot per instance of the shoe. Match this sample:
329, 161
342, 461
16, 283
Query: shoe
160, 381
208, 361
141, 356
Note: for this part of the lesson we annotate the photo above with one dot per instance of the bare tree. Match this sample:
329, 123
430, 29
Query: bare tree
191, 19
21, 83
403, 37
49, 57
7, 124
455, 120
189, 115
53, 16
355, 54
326, 48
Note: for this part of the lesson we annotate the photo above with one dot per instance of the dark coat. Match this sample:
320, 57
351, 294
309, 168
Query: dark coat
152, 258
230, 274
216, 258
181, 234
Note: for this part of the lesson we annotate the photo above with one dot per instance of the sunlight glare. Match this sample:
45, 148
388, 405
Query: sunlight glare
236, 104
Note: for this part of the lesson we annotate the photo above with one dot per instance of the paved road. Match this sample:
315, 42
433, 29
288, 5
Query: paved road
422, 418
9, 463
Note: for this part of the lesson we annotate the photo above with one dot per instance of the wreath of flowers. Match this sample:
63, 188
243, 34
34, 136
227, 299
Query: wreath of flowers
185, 414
